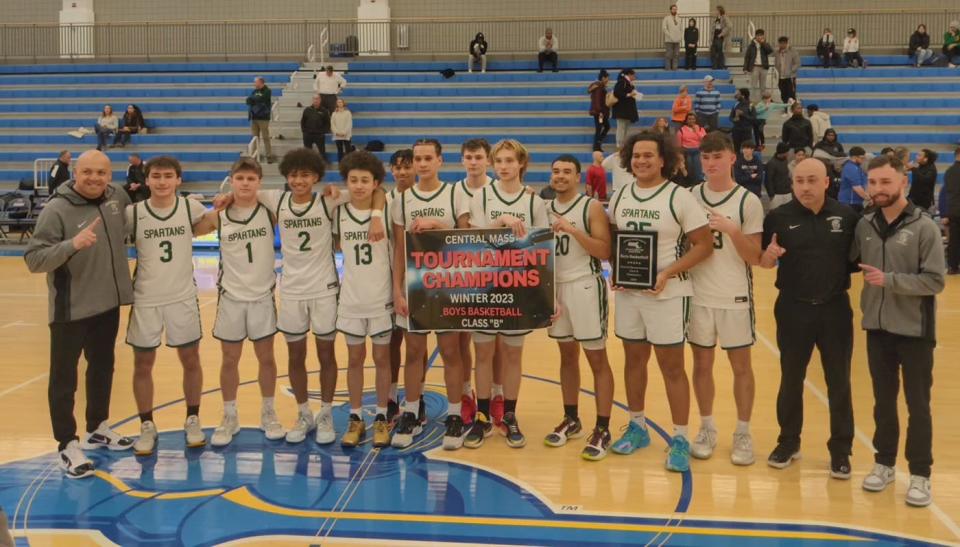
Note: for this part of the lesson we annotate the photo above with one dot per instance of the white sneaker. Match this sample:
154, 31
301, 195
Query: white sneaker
104, 437
305, 424
326, 434
270, 425
223, 434
879, 478
74, 463
194, 433
918, 495
742, 453
147, 441
702, 447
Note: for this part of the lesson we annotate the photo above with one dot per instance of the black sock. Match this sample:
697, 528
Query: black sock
193, 410
603, 422
509, 405
146, 416
483, 405
570, 411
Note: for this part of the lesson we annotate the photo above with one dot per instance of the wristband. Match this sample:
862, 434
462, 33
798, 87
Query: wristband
376, 213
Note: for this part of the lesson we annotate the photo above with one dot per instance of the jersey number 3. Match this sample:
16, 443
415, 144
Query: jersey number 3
167, 249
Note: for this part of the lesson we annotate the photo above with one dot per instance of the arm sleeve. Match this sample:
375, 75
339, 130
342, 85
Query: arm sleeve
752, 215
929, 281
48, 250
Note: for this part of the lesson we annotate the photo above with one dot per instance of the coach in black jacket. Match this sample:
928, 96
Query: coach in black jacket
315, 124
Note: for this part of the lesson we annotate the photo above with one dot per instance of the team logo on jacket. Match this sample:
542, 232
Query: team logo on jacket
904, 236
836, 224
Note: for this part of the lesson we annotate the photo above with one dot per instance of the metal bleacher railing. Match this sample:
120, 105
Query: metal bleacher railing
616, 34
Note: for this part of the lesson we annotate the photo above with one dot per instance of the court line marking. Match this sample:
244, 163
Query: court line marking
10, 390
902, 477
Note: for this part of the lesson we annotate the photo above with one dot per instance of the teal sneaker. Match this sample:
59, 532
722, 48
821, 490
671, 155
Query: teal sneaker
678, 458
633, 439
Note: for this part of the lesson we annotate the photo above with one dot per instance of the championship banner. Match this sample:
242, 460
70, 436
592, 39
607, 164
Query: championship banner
480, 280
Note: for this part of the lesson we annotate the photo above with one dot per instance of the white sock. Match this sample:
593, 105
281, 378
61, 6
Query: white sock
496, 390
305, 409
412, 406
230, 408
382, 410
393, 392
743, 427
453, 409
638, 418
358, 412
267, 404
467, 389
680, 431
707, 422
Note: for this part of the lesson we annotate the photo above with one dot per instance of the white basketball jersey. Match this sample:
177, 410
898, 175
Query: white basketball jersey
491, 202
164, 273
367, 288
306, 239
572, 259
441, 204
246, 255
724, 280
464, 194
668, 210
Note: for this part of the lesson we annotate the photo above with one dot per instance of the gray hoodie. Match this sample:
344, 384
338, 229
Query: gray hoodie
90, 281
911, 254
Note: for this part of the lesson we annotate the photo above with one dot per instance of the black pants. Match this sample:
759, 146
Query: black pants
601, 126
953, 247
828, 327
710, 122
717, 60
758, 136
741, 135
318, 139
830, 59
547, 57
788, 89
853, 59
95, 337
690, 54
888, 354
329, 102
343, 148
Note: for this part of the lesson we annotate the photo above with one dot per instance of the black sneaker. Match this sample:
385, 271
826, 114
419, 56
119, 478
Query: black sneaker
453, 437
840, 467
515, 438
393, 409
407, 428
479, 430
782, 456
422, 411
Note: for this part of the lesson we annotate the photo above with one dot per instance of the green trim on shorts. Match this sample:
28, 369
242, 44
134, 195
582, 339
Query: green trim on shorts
334, 331
351, 334
390, 330
750, 345
141, 349
186, 345
502, 333
293, 333
696, 345
272, 334
240, 341
633, 340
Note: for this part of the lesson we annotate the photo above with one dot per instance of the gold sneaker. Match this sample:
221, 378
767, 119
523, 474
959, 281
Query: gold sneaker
381, 434
356, 431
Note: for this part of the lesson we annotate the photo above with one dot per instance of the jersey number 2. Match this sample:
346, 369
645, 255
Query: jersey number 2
305, 244
563, 245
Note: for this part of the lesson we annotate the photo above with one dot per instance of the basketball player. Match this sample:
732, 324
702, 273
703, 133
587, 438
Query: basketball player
429, 205
165, 296
656, 319
583, 240
245, 309
503, 203
723, 295
366, 297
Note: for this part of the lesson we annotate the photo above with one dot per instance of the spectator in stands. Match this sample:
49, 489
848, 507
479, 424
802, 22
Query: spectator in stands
341, 124
136, 185
799, 154
851, 49
951, 44
661, 126
599, 109
797, 131
597, 178
328, 85
924, 180
672, 29
548, 47
756, 62
259, 107
744, 118
691, 37
106, 126
706, 105
748, 169
830, 151
887, 151
721, 35
827, 50
951, 213
903, 154
680, 175
853, 181
477, 52
777, 180
315, 124
59, 173
620, 176
689, 137
682, 106
625, 109
133, 123
763, 108
819, 120
788, 64
919, 48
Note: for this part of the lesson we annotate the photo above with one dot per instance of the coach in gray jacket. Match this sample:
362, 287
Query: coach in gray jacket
901, 255
79, 244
